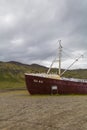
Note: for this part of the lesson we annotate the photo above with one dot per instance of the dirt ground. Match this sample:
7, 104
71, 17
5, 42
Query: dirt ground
20, 111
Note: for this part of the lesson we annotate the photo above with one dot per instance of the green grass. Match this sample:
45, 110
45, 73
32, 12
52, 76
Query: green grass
12, 76
12, 85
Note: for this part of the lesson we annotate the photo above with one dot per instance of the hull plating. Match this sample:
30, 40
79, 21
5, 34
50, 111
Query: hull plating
42, 85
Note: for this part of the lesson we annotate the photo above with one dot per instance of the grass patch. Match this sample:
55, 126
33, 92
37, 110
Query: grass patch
12, 85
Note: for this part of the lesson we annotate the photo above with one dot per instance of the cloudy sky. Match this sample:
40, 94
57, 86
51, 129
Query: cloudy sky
30, 30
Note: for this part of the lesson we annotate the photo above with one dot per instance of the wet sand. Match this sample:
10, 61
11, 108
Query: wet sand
20, 111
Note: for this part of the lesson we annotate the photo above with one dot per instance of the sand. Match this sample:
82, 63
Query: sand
20, 111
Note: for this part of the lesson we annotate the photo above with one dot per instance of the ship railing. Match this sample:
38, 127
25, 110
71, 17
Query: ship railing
75, 80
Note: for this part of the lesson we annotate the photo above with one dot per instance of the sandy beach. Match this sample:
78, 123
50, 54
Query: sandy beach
20, 111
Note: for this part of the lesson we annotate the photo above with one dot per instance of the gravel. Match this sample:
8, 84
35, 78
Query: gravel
21, 111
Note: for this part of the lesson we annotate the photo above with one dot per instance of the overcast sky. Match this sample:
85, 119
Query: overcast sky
30, 30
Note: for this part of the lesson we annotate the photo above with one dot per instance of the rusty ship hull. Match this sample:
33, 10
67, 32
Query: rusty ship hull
43, 85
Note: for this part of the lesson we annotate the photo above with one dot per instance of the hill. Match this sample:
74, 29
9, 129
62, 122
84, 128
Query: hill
12, 73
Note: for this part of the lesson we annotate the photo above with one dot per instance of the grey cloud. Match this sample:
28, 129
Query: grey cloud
40, 24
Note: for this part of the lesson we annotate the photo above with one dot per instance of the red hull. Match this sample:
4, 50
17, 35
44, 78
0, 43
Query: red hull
43, 85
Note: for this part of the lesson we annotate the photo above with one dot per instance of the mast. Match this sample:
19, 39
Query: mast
51, 66
60, 50
59, 60
71, 65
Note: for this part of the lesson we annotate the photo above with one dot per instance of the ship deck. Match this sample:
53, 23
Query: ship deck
55, 76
